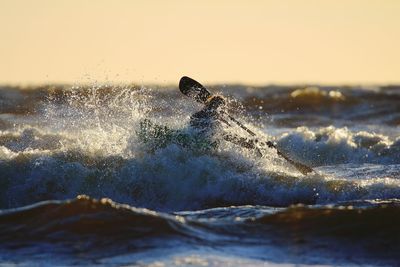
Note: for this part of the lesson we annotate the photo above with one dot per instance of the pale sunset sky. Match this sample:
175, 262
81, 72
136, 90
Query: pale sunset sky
252, 42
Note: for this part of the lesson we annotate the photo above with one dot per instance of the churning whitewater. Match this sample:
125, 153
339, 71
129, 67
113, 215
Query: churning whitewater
84, 141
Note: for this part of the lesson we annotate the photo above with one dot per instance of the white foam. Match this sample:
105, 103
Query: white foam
331, 145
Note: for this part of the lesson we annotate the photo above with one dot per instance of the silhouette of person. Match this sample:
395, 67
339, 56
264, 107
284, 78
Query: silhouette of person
209, 121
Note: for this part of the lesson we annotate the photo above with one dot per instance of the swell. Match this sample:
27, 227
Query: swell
94, 223
307, 105
104, 218
93, 228
316, 106
369, 233
378, 221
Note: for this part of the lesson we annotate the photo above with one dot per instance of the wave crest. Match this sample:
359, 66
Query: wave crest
94, 220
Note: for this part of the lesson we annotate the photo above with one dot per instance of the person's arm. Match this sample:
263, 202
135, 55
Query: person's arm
243, 142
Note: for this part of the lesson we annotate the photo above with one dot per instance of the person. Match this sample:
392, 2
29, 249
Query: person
209, 122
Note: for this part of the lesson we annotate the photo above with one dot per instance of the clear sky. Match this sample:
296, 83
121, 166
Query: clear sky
254, 42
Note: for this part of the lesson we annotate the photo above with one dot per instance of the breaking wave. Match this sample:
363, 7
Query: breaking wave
331, 145
38, 166
84, 141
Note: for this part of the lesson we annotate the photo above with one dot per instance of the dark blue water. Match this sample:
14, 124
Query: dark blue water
79, 186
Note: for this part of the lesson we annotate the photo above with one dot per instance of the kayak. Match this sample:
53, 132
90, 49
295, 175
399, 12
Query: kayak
156, 136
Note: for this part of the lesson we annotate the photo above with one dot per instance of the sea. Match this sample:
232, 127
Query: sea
79, 187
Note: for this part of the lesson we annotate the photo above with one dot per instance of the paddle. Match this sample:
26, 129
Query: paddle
197, 91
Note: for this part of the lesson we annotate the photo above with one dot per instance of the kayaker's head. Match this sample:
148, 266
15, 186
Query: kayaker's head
215, 102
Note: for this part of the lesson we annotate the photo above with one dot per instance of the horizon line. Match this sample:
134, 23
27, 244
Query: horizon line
209, 83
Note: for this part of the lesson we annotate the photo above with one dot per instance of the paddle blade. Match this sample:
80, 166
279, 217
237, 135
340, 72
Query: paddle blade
193, 89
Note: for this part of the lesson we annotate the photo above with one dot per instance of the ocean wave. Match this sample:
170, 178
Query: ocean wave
84, 141
332, 145
340, 221
88, 224
316, 106
175, 178
105, 218
368, 233
345, 103
108, 229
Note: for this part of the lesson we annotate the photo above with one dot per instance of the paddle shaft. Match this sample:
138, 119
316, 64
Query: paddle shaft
301, 167
240, 124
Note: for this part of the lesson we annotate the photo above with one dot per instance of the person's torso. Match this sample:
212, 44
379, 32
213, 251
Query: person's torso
206, 121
